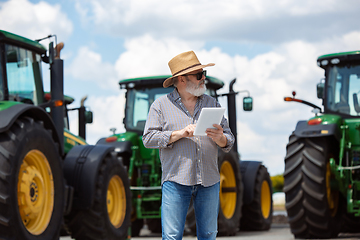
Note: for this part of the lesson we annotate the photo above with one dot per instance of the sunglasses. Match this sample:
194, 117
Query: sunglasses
198, 75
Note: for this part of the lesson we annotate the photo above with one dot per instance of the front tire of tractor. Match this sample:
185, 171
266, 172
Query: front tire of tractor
110, 215
257, 216
313, 208
31, 182
231, 194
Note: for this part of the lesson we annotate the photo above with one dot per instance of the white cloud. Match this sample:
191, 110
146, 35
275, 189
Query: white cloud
351, 40
89, 66
34, 21
146, 55
260, 21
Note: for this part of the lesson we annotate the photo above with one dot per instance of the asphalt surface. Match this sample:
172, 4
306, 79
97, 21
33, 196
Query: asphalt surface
277, 231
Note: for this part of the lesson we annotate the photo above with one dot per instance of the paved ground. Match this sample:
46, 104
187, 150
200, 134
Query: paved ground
277, 232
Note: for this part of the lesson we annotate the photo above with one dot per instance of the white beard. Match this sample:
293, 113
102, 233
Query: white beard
194, 89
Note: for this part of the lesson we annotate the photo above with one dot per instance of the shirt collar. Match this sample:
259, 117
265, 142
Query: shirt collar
175, 96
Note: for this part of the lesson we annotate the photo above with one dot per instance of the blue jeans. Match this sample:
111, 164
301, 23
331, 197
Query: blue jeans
175, 203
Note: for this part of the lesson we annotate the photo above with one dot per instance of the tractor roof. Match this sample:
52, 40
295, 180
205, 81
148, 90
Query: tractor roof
336, 58
157, 81
21, 41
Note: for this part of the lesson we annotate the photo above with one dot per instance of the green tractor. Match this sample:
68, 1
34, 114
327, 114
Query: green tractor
322, 162
52, 182
246, 189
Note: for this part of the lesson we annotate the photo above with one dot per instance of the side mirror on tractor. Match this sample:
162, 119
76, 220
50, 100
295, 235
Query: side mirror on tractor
88, 116
247, 103
320, 89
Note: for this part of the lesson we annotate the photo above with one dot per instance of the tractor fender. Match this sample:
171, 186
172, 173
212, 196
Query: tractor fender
249, 172
304, 130
123, 147
80, 171
10, 115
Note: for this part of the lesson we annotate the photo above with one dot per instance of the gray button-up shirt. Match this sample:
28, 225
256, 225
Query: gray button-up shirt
191, 160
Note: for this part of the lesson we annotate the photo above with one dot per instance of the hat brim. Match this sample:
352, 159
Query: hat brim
169, 81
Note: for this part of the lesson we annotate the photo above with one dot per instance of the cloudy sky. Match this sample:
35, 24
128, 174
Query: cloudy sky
271, 48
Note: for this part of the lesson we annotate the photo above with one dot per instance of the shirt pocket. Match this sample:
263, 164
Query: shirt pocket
176, 121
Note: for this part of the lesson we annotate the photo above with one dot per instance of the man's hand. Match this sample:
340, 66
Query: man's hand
188, 131
217, 135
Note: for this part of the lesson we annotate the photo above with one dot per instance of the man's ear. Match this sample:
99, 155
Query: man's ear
182, 78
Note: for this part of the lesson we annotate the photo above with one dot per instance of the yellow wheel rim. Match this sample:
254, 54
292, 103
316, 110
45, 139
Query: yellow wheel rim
265, 199
227, 189
332, 196
116, 201
35, 192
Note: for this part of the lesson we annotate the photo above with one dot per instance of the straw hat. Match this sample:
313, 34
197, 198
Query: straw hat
182, 64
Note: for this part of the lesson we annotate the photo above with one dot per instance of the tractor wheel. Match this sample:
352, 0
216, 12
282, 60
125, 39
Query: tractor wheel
312, 206
231, 192
109, 215
257, 215
31, 183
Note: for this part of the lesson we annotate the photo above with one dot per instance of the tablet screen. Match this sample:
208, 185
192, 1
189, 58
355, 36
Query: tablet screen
208, 117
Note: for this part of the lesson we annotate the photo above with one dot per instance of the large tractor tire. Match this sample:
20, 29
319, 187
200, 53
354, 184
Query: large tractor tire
231, 193
257, 215
313, 208
110, 214
31, 183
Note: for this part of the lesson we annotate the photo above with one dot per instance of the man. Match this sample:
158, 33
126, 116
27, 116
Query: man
189, 163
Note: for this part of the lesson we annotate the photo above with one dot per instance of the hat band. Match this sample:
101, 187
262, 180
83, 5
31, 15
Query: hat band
186, 69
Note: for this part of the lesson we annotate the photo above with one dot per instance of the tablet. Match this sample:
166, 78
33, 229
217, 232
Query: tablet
208, 117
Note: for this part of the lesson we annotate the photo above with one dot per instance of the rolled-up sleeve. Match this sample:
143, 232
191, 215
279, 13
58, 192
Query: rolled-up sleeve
154, 136
228, 134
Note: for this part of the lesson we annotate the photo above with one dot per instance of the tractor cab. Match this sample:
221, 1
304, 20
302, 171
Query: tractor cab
21, 81
340, 91
20, 75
